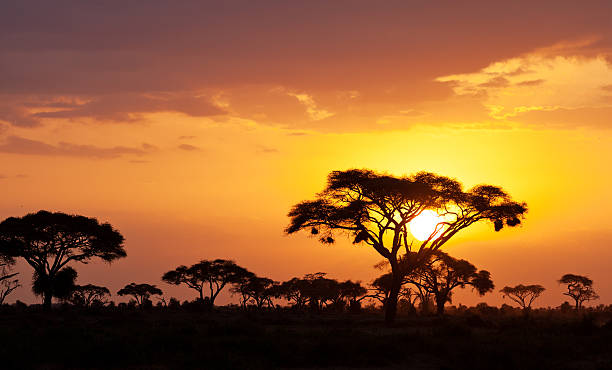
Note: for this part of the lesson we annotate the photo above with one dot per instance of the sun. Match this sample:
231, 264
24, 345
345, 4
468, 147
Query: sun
424, 224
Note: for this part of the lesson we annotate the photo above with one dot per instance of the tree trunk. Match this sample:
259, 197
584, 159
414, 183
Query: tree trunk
577, 304
48, 295
391, 303
440, 306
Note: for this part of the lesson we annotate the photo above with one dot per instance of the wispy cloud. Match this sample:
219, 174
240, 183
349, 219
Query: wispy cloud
315, 113
20, 145
188, 147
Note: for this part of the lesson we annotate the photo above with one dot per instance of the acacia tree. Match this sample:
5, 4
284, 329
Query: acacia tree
294, 291
354, 293
87, 295
214, 275
258, 290
141, 292
49, 241
579, 287
381, 290
8, 282
375, 209
443, 273
524, 295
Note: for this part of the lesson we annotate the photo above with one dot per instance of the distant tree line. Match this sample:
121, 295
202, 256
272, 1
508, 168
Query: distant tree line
374, 209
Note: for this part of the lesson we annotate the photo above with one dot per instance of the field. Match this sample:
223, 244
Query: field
231, 339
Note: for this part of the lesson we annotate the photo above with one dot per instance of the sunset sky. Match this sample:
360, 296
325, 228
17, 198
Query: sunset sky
194, 126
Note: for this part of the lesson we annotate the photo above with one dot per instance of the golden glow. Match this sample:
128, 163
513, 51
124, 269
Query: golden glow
424, 225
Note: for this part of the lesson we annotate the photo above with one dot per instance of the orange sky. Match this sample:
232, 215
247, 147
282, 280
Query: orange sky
194, 127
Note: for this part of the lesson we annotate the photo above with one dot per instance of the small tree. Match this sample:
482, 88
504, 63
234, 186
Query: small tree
141, 292
61, 287
579, 288
354, 292
87, 295
254, 289
214, 275
381, 290
524, 295
8, 282
49, 241
443, 273
295, 291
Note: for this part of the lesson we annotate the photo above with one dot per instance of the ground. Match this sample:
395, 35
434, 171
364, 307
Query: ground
227, 339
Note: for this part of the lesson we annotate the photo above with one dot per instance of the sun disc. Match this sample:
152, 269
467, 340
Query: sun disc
424, 225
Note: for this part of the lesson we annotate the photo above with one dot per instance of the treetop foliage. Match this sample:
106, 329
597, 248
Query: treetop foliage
42, 235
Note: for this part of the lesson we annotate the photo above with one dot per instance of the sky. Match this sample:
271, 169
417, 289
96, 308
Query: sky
194, 126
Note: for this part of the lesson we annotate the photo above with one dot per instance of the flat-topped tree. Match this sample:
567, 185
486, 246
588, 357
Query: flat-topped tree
212, 275
88, 295
524, 295
140, 292
579, 288
48, 241
375, 209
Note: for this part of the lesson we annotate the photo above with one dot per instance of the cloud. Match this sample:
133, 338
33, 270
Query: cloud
266, 149
348, 65
315, 113
186, 137
20, 145
547, 83
188, 147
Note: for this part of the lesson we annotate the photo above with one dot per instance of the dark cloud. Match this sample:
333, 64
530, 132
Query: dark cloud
186, 137
20, 145
116, 56
266, 149
122, 107
188, 148
531, 82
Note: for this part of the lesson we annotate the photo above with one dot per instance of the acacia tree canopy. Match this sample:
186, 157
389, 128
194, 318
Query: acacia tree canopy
140, 292
579, 288
443, 273
48, 241
86, 295
524, 295
214, 275
375, 209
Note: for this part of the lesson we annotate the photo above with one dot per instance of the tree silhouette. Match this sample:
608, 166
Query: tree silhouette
381, 290
375, 209
141, 292
253, 288
580, 288
294, 291
87, 295
49, 241
214, 275
524, 295
443, 273
8, 282
60, 287
354, 292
